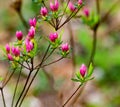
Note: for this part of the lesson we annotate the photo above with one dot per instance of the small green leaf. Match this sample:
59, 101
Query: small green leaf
90, 70
87, 79
76, 80
78, 75
1, 78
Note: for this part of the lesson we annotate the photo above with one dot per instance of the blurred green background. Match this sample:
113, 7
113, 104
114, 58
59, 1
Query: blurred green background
104, 90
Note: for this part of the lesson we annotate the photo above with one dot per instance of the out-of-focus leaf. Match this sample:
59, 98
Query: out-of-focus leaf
90, 70
1, 78
76, 80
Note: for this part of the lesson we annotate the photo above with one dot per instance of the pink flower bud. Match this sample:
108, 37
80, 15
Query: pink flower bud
43, 11
31, 32
32, 22
80, 2
53, 36
16, 51
71, 6
83, 70
7, 47
29, 45
10, 57
19, 35
54, 7
65, 47
86, 12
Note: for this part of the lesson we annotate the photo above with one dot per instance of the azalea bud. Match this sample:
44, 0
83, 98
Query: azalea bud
19, 35
43, 11
86, 12
16, 51
7, 47
53, 36
32, 22
10, 57
65, 47
31, 32
54, 7
83, 70
29, 45
71, 6
80, 2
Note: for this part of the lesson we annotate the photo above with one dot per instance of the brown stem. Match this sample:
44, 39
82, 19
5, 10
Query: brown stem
7, 80
98, 6
26, 91
52, 62
3, 97
72, 45
43, 57
25, 85
64, 12
23, 20
109, 11
16, 87
72, 95
39, 66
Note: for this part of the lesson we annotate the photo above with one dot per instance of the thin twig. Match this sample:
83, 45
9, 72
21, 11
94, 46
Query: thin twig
25, 85
98, 6
39, 66
23, 20
3, 98
5, 83
72, 95
43, 57
52, 62
72, 45
64, 12
28, 87
109, 11
16, 87
23, 65
49, 54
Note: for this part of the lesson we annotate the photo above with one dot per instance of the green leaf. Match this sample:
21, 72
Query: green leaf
90, 70
78, 75
36, 1
1, 78
87, 79
76, 80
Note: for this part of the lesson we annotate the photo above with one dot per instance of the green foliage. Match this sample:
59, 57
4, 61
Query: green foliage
91, 20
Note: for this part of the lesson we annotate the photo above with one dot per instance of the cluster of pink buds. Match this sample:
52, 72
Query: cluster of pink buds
10, 57
15, 51
11, 52
53, 37
83, 70
31, 33
72, 7
54, 7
